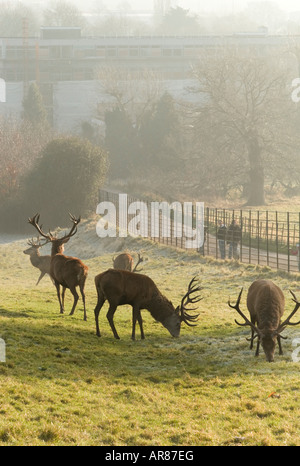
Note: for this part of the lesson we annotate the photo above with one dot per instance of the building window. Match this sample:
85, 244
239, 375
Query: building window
134, 52
54, 51
111, 52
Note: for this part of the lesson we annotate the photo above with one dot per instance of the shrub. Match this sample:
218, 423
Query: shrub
65, 179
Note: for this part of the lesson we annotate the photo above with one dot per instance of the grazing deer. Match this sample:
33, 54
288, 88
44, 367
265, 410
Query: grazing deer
40, 262
124, 261
265, 302
120, 287
68, 272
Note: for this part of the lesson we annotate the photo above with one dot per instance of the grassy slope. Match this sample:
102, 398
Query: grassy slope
61, 385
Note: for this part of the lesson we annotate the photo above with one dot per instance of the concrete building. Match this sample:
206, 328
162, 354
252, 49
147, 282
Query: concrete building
65, 66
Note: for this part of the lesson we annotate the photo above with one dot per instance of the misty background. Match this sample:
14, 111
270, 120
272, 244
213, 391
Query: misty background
160, 99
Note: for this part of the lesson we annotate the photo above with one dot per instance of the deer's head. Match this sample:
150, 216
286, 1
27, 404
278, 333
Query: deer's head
34, 246
57, 243
182, 312
267, 336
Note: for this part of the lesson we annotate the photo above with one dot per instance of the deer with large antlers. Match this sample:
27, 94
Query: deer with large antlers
40, 262
265, 302
120, 287
125, 261
66, 271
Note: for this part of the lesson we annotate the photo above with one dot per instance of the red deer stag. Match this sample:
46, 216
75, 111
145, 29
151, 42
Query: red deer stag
265, 302
40, 262
124, 261
68, 272
120, 287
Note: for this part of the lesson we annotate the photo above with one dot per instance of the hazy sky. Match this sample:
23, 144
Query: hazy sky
200, 5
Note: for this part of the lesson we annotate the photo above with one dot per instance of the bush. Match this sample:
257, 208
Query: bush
65, 179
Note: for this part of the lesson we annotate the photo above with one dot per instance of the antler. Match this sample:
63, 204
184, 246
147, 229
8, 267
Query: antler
237, 308
36, 244
140, 259
73, 230
287, 320
34, 221
187, 298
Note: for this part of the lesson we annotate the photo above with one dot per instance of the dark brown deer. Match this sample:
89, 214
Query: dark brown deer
40, 262
66, 271
120, 287
125, 261
265, 302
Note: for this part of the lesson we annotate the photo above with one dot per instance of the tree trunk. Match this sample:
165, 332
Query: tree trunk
256, 174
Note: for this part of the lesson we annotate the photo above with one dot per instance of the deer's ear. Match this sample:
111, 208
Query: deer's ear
177, 310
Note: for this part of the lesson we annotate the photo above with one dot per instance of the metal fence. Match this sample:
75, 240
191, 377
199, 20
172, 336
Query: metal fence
268, 238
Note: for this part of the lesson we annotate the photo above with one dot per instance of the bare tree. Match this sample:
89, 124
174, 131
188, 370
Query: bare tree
63, 13
243, 122
133, 92
20, 146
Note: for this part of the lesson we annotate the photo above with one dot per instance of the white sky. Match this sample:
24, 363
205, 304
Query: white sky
195, 6
200, 5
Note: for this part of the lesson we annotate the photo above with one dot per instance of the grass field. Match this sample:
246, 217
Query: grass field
61, 385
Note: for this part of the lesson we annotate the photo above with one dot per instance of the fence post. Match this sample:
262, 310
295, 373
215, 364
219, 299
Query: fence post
241, 245
277, 257
267, 235
250, 233
288, 238
207, 230
258, 238
298, 247
216, 222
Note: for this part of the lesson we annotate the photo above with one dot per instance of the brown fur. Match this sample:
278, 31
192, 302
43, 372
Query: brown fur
68, 272
40, 262
265, 302
120, 287
125, 261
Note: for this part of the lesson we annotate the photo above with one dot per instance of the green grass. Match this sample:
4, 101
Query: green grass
61, 385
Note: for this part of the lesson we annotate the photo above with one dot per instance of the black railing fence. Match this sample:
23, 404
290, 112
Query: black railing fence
270, 238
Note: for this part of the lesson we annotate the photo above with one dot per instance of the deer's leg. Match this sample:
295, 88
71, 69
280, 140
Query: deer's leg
110, 317
257, 348
279, 345
253, 321
100, 302
57, 285
252, 337
136, 316
40, 277
76, 297
81, 286
83, 300
63, 296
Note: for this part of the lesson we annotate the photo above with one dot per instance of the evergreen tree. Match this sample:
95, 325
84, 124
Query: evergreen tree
66, 178
160, 132
120, 141
34, 110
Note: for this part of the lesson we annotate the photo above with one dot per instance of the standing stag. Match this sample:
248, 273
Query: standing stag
40, 262
66, 271
124, 261
265, 302
120, 287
